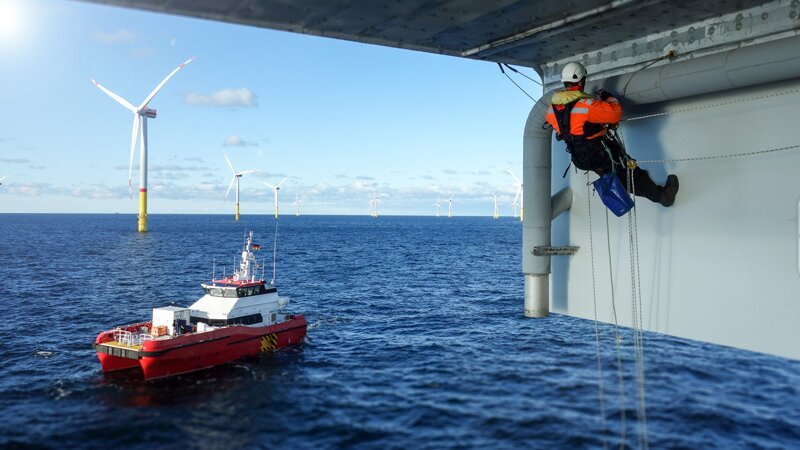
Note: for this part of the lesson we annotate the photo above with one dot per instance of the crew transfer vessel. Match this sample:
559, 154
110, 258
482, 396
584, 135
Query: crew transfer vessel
239, 316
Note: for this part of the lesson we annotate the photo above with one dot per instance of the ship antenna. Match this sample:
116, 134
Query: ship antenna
274, 253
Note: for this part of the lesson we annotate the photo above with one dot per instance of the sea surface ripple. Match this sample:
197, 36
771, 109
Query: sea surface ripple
416, 340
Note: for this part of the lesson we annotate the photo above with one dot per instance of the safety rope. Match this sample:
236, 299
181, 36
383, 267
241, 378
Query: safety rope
617, 341
713, 105
515, 83
596, 326
703, 158
636, 310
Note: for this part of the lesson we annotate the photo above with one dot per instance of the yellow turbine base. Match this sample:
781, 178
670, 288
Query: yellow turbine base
521, 214
142, 211
237, 212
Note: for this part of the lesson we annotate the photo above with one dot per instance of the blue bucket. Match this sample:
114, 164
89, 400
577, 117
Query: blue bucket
613, 194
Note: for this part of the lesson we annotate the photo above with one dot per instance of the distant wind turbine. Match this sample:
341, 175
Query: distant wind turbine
373, 204
496, 214
297, 203
438, 206
140, 115
518, 196
450, 207
275, 189
236, 177
1, 180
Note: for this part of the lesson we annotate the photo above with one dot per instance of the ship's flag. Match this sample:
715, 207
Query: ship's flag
255, 246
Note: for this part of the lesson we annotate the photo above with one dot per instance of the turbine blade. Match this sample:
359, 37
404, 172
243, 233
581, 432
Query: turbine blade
229, 187
516, 197
246, 172
163, 82
229, 163
134, 135
271, 186
116, 97
279, 184
514, 176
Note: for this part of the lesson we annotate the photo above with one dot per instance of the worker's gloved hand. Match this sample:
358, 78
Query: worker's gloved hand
603, 94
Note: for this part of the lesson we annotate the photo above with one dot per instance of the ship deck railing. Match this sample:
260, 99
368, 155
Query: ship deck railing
131, 339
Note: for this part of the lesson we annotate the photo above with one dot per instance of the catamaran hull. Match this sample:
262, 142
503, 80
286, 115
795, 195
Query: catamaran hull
197, 351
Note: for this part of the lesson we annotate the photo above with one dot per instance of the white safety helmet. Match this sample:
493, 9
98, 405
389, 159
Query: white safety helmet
573, 72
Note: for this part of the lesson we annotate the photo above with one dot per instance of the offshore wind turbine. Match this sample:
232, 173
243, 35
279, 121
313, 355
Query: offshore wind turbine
140, 115
275, 189
1, 180
296, 204
450, 207
373, 203
518, 196
438, 206
496, 214
236, 177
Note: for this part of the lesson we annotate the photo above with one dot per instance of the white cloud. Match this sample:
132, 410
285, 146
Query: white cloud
226, 98
235, 140
15, 160
115, 37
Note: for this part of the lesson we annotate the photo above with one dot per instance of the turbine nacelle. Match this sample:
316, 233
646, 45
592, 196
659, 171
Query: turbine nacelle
149, 113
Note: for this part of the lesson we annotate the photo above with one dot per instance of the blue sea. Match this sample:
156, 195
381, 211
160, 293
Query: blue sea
416, 340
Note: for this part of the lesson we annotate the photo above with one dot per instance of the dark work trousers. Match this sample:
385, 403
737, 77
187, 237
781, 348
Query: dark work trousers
591, 155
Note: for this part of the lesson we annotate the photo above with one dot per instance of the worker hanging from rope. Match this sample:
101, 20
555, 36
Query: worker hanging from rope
582, 121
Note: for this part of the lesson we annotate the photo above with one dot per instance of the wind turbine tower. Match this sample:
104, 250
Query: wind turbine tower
450, 207
517, 196
275, 189
496, 214
236, 177
438, 206
140, 115
297, 203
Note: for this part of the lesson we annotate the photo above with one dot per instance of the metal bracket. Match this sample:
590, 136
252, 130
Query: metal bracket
564, 250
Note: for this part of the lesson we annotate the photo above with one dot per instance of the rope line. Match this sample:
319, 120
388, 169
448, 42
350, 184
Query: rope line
515, 83
704, 158
521, 73
713, 105
636, 309
617, 341
596, 326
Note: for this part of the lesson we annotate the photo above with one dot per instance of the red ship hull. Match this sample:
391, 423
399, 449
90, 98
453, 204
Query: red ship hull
195, 351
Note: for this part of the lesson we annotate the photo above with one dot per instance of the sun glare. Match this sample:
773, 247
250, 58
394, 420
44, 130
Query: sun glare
10, 18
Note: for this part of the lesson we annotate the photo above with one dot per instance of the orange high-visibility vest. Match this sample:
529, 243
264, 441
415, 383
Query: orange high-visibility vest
587, 109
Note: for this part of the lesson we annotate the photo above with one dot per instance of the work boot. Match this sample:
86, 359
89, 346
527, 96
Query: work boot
670, 190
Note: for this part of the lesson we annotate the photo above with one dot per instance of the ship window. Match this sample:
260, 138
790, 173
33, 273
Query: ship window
231, 293
214, 291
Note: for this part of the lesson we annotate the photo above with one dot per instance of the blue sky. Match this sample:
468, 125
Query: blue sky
336, 117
